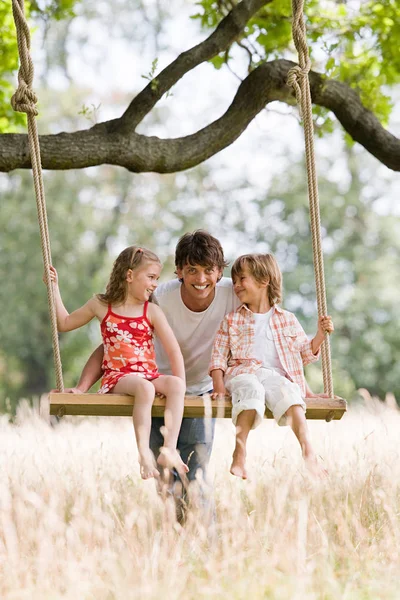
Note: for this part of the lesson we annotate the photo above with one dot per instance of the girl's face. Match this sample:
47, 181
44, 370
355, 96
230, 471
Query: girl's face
143, 281
247, 288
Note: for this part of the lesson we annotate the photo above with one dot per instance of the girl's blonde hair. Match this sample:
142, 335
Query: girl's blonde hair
130, 258
264, 269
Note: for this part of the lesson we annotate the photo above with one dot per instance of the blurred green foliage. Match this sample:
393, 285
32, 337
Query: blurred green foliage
354, 42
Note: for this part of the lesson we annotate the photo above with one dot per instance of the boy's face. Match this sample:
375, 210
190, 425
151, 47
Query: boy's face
247, 288
199, 281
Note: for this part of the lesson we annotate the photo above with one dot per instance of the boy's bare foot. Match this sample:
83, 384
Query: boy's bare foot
314, 467
170, 459
238, 466
148, 467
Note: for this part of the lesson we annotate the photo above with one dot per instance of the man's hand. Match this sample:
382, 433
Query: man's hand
74, 390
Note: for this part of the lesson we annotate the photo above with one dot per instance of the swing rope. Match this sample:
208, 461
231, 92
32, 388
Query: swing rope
24, 100
298, 79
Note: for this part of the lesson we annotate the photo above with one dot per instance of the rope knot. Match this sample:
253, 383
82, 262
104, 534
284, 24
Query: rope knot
294, 79
24, 99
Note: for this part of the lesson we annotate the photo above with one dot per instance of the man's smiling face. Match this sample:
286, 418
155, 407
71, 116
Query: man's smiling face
199, 282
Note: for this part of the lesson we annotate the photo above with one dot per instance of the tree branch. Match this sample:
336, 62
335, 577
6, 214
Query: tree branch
223, 36
106, 144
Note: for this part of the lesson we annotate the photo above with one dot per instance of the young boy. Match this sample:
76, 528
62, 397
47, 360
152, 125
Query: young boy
258, 357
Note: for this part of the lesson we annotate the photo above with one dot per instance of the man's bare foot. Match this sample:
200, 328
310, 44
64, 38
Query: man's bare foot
148, 467
170, 459
314, 467
238, 466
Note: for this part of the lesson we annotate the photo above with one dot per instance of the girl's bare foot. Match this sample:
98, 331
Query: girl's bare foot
170, 459
148, 467
238, 466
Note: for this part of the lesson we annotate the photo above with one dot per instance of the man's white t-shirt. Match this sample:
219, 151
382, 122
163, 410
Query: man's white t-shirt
195, 331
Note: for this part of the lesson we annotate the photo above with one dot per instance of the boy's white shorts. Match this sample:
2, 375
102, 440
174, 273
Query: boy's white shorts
266, 387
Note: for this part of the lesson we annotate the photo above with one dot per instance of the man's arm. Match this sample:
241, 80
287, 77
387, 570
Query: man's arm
91, 372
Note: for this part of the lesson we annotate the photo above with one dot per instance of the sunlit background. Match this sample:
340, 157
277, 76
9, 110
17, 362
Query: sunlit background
75, 520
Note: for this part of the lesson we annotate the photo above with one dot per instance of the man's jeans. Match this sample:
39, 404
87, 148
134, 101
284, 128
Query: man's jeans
195, 443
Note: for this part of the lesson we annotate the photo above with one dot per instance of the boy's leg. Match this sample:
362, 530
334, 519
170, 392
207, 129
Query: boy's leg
248, 407
297, 420
284, 400
244, 424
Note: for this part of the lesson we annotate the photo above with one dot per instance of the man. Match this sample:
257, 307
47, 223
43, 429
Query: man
194, 305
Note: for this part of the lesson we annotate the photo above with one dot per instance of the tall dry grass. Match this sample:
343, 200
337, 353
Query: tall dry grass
77, 522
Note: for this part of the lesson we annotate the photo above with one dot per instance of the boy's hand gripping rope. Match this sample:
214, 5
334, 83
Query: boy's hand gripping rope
24, 100
298, 79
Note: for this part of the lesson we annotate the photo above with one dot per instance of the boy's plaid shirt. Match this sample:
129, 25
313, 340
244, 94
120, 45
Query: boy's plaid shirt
233, 345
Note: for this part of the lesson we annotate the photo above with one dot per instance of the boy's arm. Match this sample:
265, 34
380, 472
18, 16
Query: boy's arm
310, 349
325, 325
168, 340
302, 342
219, 358
218, 383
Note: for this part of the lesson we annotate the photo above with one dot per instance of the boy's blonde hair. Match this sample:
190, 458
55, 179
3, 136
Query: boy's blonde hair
264, 269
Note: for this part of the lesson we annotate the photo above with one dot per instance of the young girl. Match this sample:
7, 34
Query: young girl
127, 322
258, 357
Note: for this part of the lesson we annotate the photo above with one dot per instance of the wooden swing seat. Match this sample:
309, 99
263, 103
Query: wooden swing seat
117, 405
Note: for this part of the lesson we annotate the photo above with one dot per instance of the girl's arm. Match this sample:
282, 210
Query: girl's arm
78, 318
168, 340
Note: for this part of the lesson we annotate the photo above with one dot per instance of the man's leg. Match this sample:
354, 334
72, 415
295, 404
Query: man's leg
195, 445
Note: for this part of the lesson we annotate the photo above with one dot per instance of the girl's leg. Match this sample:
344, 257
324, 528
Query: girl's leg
248, 406
143, 390
173, 388
297, 420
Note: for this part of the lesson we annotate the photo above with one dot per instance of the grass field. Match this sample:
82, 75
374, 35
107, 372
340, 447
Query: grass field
76, 521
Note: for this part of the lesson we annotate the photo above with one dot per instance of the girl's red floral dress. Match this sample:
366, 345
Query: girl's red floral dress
128, 348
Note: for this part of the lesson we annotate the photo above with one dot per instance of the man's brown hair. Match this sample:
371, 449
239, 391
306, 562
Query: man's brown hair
264, 269
199, 248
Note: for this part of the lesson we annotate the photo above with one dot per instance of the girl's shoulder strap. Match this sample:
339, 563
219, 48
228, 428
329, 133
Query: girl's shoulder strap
146, 305
109, 310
